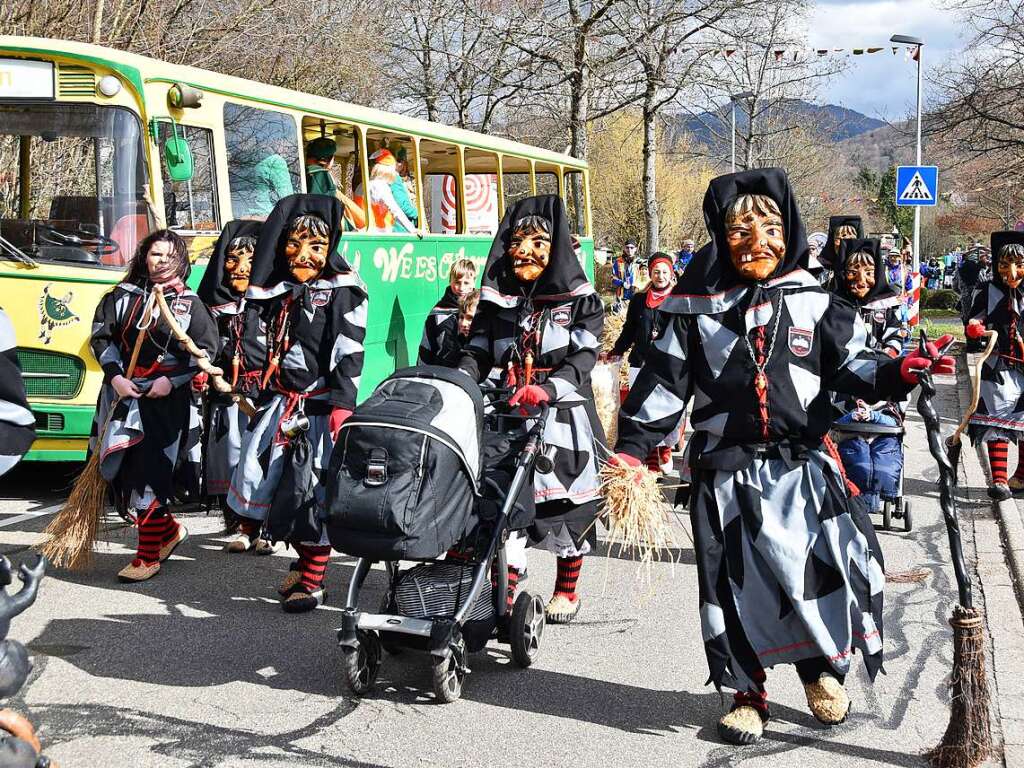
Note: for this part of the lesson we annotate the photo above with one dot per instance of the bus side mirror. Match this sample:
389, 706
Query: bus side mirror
178, 159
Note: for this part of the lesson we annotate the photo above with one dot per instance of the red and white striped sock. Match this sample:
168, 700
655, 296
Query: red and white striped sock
997, 459
312, 566
567, 576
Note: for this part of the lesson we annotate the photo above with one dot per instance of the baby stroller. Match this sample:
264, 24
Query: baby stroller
872, 456
414, 477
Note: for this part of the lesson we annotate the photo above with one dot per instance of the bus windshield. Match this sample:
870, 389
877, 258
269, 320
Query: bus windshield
72, 183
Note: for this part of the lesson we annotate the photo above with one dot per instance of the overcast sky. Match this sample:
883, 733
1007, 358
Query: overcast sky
882, 85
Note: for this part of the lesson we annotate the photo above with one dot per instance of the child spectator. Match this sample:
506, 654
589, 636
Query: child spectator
440, 344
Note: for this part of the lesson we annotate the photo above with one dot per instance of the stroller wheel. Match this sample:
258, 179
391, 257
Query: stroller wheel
363, 664
526, 628
908, 521
886, 515
449, 674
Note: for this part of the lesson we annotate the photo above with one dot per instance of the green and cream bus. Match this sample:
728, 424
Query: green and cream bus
99, 147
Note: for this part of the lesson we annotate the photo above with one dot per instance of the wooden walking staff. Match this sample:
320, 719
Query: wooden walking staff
968, 738
954, 443
72, 533
201, 357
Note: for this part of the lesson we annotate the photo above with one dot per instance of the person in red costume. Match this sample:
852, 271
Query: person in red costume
788, 567
313, 306
999, 419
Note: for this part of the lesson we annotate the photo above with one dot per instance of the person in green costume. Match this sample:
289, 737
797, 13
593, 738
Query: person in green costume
319, 161
272, 182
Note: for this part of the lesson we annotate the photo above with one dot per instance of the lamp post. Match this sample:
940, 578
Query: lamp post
908, 40
734, 98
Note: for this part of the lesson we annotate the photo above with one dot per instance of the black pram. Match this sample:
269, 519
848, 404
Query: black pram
414, 476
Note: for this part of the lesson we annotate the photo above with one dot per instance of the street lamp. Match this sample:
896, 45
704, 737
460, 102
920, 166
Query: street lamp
734, 98
908, 40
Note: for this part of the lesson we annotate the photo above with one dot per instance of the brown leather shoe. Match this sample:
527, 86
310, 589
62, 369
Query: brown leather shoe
137, 570
292, 578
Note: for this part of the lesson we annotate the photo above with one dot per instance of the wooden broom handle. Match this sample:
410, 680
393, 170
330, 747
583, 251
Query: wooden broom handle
147, 319
202, 358
992, 338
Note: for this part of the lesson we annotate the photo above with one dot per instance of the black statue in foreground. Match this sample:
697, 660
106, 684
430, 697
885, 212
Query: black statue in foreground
19, 745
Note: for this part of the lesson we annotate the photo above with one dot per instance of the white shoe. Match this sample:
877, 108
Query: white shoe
238, 543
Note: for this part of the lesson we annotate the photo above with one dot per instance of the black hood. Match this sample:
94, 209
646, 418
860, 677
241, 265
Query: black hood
213, 291
1000, 239
881, 290
563, 278
270, 275
710, 283
828, 254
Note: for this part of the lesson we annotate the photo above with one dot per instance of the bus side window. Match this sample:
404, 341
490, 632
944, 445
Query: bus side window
263, 159
191, 205
439, 165
575, 203
481, 188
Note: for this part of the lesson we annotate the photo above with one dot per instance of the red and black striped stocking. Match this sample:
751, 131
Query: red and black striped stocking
997, 459
151, 533
568, 575
312, 566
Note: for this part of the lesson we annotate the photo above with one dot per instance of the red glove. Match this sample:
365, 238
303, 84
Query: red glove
199, 381
336, 419
932, 361
975, 330
531, 394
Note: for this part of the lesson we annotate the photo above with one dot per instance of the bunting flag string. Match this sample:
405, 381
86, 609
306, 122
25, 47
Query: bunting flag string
911, 52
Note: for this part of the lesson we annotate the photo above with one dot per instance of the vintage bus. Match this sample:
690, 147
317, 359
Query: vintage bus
98, 147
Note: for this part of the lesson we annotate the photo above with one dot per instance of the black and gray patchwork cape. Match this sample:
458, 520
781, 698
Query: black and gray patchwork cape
147, 437
880, 309
17, 424
788, 566
997, 306
318, 329
559, 317
243, 336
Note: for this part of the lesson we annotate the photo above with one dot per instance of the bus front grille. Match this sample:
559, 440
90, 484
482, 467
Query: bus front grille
73, 80
51, 374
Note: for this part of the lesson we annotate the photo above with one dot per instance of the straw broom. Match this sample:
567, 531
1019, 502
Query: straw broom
74, 530
637, 515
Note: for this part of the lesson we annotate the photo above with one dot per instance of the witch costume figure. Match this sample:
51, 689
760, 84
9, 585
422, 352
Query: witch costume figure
243, 351
999, 419
842, 227
789, 570
539, 321
861, 278
314, 307
149, 405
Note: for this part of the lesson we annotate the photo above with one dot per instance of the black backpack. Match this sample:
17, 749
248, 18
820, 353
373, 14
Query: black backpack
402, 482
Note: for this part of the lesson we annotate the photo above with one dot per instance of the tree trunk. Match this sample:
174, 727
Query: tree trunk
97, 22
650, 182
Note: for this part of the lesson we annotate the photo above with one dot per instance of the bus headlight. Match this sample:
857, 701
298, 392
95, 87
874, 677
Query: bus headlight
109, 86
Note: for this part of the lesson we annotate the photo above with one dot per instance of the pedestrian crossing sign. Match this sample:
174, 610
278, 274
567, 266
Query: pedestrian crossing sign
917, 185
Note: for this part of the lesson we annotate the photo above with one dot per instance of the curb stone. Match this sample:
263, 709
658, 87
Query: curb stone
999, 541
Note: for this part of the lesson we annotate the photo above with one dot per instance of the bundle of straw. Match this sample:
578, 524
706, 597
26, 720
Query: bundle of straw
637, 516
73, 531
604, 380
613, 322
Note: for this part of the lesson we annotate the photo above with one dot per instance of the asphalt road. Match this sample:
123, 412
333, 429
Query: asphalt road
200, 667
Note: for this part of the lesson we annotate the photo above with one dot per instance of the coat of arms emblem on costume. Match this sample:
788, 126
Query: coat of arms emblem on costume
54, 312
